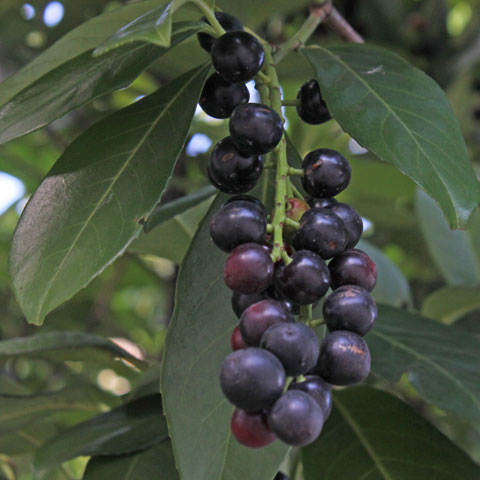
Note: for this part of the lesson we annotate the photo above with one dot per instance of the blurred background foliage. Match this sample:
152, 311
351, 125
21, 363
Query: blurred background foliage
133, 299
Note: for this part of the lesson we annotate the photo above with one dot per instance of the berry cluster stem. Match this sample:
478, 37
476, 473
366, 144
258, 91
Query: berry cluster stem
210, 16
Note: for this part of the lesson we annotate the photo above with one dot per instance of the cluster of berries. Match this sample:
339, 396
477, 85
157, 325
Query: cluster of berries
278, 376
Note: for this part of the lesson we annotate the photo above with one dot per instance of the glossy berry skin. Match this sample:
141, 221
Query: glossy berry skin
353, 267
227, 21
296, 418
326, 173
237, 56
236, 340
238, 222
255, 129
219, 96
322, 232
351, 219
319, 389
294, 344
344, 358
350, 308
252, 379
305, 280
251, 429
248, 269
321, 202
311, 108
230, 170
257, 318
240, 301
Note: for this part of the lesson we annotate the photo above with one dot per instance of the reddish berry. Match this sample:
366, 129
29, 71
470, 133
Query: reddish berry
236, 339
251, 429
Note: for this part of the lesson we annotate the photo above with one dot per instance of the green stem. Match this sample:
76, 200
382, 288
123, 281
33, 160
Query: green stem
291, 223
290, 103
269, 228
297, 192
316, 322
289, 188
210, 16
305, 314
295, 171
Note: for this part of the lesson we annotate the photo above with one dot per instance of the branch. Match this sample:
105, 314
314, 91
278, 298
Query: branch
338, 24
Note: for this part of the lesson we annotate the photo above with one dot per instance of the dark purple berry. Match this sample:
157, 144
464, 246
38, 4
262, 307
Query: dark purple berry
305, 280
322, 232
294, 344
219, 96
344, 358
251, 429
252, 379
230, 170
236, 340
326, 173
319, 389
350, 308
257, 318
311, 108
241, 301
238, 222
296, 418
237, 56
321, 202
255, 129
248, 269
353, 267
227, 21
351, 219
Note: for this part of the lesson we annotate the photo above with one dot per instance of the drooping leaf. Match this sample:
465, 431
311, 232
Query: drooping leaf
66, 346
455, 253
87, 210
403, 117
164, 212
197, 341
79, 81
134, 426
371, 435
442, 363
156, 463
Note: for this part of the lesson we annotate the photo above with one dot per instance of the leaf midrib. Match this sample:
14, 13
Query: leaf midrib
110, 187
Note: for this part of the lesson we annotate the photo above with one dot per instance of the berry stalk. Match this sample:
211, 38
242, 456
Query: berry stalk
210, 16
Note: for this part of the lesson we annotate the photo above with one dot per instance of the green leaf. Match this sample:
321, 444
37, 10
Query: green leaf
371, 435
442, 363
27, 438
198, 339
79, 81
66, 346
392, 287
402, 116
455, 253
154, 463
166, 211
173, 237
87, 210
129, 428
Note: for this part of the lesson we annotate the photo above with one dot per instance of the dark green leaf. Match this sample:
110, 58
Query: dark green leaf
27, 438
79, 81
129, 428
66, 346
401, 115
374, 436
154, 463
442, 363
87, 210
455, 253
166, 211
198, 339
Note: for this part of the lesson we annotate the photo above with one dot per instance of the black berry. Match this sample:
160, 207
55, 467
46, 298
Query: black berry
350, 308
294, 344
227, 21
319, 389
281, 476
252, 379
326, 173
344, 358
351, 219
255, 129
248, 269
232, 171
237, 56
311, 108
219, 96
238, 222
322, 232
321, 202
305, 280
257, 318
296, 418
353, 267
251, 429
240, 301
